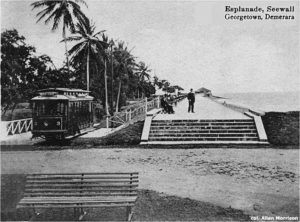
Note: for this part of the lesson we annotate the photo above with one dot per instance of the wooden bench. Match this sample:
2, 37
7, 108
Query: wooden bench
80, 190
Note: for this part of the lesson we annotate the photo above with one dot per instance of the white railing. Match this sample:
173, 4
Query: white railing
18, 126
138, 111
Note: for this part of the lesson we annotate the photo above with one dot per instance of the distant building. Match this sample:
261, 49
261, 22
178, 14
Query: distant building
204, 91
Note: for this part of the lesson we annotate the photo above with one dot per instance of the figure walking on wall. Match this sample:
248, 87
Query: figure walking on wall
191, 99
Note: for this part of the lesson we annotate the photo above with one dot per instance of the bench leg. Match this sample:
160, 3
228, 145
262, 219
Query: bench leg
79, 213
82, 213
76, 213
129, 213
35, 214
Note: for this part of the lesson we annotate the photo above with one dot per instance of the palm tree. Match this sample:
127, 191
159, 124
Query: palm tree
89, 45
66, 10
157, 82
111, 44
124, 65
105, 58
143, 75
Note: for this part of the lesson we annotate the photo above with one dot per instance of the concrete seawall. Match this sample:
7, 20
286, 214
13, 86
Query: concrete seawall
282, 128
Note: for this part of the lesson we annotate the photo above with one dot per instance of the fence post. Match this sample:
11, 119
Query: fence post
107, 122
146, 105
129, 119
157, 102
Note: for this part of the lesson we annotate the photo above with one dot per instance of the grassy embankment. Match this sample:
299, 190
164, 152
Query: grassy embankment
150, 205
128, 136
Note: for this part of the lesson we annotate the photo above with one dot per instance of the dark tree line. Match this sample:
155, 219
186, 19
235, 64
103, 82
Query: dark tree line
95, 62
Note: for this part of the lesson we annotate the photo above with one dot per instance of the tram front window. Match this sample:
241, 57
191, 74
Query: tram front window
49, 108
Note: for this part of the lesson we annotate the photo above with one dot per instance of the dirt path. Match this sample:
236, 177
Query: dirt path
257, 181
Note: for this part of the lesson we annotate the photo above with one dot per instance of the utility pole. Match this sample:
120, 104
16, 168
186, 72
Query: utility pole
106, 96
112, 76
88, 71
118, 99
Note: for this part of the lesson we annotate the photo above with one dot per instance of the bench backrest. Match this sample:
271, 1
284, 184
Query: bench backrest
82, 184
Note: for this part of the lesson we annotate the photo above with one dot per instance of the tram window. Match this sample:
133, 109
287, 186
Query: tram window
50, 108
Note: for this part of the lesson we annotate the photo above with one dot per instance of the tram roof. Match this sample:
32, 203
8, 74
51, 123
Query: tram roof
64, 90
63, 94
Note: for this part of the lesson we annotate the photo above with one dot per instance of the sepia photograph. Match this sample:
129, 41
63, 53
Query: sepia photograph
150, 110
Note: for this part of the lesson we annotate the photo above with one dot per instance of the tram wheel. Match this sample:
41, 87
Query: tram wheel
50, 138
56, 137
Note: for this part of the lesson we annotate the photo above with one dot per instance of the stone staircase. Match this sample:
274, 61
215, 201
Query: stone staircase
241, 131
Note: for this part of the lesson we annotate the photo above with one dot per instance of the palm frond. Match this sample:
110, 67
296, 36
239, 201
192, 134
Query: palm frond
76, 49
81, 29
82, 2
51, 16
56, 19
78, 14
42, 3
69, 21
72, 38
98, 33
46, 10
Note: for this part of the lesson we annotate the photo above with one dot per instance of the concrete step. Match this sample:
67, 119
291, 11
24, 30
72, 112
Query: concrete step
202, 139
189, 144
205, 120
240, 130
202, 135
201, 124
202, 127
203, 131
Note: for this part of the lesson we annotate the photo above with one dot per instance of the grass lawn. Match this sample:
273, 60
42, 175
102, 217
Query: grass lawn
150, 206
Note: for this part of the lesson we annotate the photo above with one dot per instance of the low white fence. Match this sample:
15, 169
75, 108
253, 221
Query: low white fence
17, 126
139, 110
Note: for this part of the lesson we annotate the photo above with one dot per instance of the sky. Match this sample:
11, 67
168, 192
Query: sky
187, 42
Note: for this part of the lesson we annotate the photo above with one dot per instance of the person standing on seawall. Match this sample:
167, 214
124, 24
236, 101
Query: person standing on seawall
191, 99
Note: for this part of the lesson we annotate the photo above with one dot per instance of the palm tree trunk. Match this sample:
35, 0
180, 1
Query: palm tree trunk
105, 82
118, 98
88, 71
112, 84
66, 47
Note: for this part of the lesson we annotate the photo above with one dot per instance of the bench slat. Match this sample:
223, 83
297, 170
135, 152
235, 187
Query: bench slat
87, 173
81, 181
80, 177
77, 200
100, 198
76, 206
134, 193
83, 185
75, 189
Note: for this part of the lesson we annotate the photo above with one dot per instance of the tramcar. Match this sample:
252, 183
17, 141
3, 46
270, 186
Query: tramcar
60, 113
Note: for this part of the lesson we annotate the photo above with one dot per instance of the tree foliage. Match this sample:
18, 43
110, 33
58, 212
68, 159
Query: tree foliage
23, 72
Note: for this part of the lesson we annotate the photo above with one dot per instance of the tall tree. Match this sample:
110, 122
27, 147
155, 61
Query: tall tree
143, 76
111, 44
105, 58
89, 45
22, 72
124, 64
66, 10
